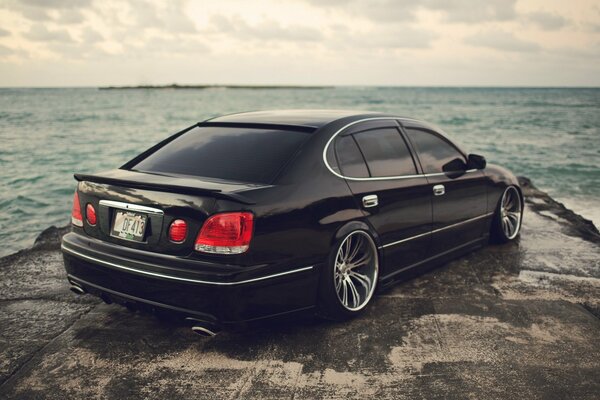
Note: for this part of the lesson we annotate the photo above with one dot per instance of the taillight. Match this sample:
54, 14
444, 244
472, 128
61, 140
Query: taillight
90, 214
178, 231
227, 233
76, 218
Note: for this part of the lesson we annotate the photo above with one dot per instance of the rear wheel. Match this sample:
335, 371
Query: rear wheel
507, 219
349, 279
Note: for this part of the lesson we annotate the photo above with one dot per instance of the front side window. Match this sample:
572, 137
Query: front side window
240, 154
434, 152
385, 152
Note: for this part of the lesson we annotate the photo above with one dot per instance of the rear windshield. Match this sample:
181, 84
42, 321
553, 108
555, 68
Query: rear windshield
238, 154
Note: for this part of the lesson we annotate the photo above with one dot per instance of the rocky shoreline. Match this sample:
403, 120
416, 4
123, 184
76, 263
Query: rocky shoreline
520, 320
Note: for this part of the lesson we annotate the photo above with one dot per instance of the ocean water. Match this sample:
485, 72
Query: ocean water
549, 135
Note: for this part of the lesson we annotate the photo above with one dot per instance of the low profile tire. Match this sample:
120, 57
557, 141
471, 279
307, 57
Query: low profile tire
349, 278
508, 216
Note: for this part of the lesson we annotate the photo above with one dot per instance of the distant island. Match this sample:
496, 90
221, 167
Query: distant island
176, 86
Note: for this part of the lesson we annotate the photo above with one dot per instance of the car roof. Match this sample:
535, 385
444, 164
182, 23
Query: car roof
307, 118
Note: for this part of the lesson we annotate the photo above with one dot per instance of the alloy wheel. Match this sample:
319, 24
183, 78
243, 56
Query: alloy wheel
510, 212
356, 270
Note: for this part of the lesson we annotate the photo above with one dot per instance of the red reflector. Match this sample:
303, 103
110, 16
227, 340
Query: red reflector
90, 214
76, 217
178, 231
227, 233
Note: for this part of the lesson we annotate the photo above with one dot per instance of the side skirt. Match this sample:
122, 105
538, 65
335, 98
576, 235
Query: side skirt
388, 280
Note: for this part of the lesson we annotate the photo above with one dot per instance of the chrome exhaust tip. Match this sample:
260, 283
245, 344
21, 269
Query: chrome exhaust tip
203, 328
203, 331
76, 289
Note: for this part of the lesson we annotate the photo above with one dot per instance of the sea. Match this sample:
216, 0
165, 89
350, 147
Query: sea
551, 135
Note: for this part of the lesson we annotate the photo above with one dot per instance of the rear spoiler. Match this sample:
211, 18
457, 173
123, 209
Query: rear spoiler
172, 184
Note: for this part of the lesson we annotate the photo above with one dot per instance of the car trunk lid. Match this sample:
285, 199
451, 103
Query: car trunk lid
153, 202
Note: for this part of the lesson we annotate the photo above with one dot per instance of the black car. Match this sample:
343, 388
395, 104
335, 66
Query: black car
262, 214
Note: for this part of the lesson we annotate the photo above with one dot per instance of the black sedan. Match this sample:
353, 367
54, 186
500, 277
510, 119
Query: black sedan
263, 214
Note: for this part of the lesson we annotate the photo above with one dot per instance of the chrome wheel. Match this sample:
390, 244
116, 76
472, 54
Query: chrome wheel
356, 270
510, 212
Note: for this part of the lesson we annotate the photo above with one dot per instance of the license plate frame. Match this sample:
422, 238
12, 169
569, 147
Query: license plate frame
125, 225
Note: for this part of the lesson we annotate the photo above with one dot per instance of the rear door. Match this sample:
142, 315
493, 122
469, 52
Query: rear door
459, 195
383, 176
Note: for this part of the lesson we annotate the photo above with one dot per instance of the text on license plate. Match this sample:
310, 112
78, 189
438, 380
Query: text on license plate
128, 225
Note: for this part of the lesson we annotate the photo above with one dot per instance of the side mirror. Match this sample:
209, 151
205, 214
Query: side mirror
455, 168
476, 161
455, 165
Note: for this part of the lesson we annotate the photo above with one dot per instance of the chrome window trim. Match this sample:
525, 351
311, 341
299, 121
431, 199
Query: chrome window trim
437, 230
131, 207
376, 178
177, 278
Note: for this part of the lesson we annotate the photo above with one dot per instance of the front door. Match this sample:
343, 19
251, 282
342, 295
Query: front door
459, 195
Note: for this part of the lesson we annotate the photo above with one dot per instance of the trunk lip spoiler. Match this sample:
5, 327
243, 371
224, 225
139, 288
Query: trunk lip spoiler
161, 187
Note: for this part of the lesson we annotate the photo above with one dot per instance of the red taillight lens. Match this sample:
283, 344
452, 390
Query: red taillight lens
76, 218
90, 214
178, 231
227, 233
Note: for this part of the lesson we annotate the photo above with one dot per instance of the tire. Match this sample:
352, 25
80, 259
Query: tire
508, 216
349, 278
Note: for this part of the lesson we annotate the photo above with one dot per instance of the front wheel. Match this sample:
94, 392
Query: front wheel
507, 219
349, 279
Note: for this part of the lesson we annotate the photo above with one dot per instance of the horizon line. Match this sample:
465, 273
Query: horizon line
178, 86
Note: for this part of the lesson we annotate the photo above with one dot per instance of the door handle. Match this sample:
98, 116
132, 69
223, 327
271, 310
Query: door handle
439, 190
370, 201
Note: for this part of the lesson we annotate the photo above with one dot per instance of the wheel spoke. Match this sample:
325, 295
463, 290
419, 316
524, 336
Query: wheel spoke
511, 226
354, 250
509, 203
513, 216
338, 283
355, 295
363, 260
344, 292
364, 280
346, 248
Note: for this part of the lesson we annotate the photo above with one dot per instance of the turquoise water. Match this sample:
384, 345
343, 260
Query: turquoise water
550, 135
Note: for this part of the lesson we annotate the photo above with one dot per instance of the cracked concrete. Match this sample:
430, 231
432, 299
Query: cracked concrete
513, 321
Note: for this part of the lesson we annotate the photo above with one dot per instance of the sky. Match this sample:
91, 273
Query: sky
300, 42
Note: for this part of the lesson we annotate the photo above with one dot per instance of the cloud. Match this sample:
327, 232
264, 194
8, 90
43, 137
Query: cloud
7, 52
4, 32
267, 30
401, 37
90, 35
57, 4
40, 10
473, 11
501, 40
546, 21
169, 16
71, 16
390, 11
40, 33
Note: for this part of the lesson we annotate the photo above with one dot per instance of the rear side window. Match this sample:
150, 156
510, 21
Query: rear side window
385, 152
230, 153
350, 160
434, 152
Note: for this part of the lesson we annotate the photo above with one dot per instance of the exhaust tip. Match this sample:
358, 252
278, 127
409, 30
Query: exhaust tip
203, 328
203, 331
77, 289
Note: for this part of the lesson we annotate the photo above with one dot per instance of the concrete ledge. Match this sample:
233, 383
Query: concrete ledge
514, 321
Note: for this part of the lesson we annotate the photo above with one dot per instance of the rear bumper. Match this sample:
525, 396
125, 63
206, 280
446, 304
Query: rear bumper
219, 294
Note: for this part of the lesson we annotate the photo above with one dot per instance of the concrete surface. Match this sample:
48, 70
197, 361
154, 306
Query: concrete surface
514, 321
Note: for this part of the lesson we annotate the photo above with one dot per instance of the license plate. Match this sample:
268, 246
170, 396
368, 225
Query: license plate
128, 225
